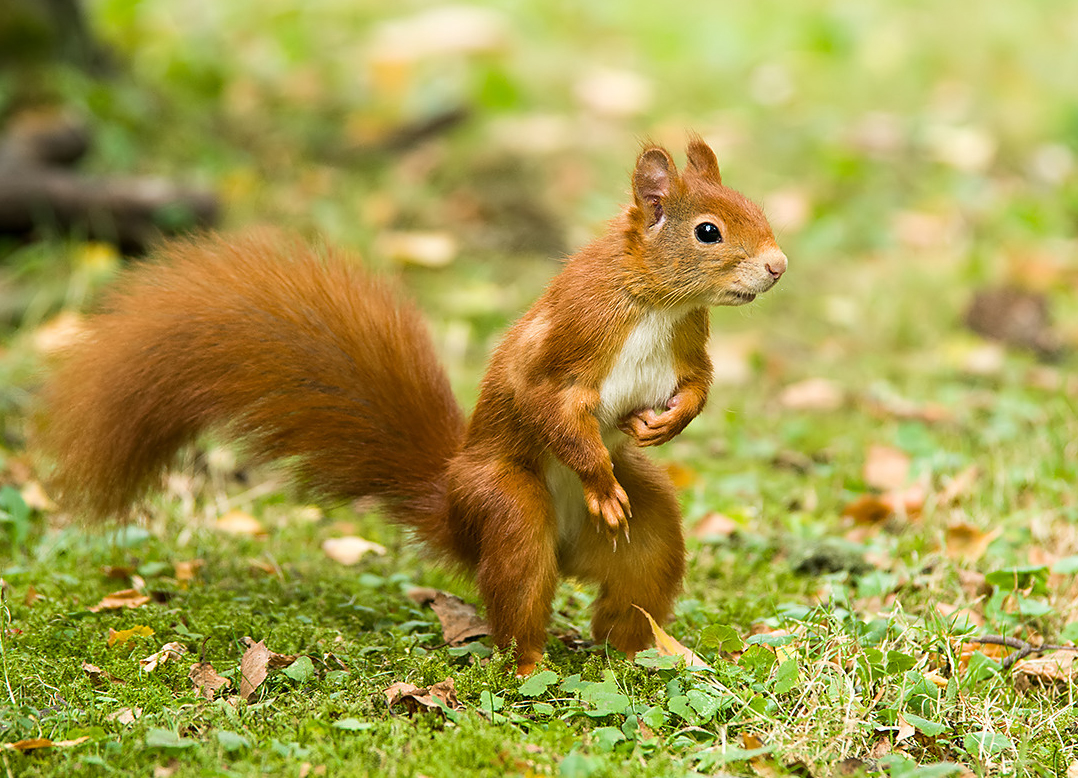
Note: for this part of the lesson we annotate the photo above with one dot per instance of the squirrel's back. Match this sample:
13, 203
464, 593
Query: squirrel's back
299, 352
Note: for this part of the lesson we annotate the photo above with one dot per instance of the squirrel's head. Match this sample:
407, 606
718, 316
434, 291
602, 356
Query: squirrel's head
694, 241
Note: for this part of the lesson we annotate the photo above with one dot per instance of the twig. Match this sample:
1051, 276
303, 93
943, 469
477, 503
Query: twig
1023, 648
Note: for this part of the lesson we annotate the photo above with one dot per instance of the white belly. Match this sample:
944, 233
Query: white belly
643, 376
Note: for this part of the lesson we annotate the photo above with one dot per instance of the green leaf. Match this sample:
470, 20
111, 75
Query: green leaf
166, 738
1068, 565
722, 638
758, 660
679, 706
897, 662
232, 741
606, 698
1031, 607
786, 677
606, 738
577, 765
986, 743
1022, 577
650, 658
301, 671
537, 683
924, 726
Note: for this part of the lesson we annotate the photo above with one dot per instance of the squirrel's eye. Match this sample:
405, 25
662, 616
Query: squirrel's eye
706, 232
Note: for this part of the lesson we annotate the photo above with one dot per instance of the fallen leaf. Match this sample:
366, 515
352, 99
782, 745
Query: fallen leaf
958, 486
186, 571
415, 698
125, 598
422, 595
121, 636
206, 680
1056, 667
98, 676
32, 596
349, 550
668, 646
33, 494
968, 542
886, 468
460, 622
715, 524
168, 653
253, 668
614, 93
812, 394
905, 729
33, 744
275, 661
59, 333
237, 522
118, 571
264, 567
125, 715
425, 249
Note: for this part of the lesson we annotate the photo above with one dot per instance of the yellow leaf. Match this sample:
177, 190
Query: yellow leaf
667, 646
119, 637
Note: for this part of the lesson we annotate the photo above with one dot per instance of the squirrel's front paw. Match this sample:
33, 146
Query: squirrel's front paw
649, 428
610, 511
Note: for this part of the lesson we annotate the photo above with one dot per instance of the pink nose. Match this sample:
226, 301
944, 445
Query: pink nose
776, 265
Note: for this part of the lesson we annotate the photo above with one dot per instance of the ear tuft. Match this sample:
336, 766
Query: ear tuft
652, 180
702, 160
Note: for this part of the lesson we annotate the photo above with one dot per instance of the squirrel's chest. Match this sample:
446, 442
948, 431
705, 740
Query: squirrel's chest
643, 374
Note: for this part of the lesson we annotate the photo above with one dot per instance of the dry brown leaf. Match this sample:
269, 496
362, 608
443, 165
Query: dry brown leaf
425, 249
460, 622
121, 572
812, 394
98, 676
168, 653
868, 509
422, 595
237, 522
33, 494
118, 637
185, 571
125, 598
415, 698
206, 680
125, 715
35, 743
253, 668
905, 729
264, 567
715, 524
32, 596
886, 468
668, 646
349, 550
59, 333
968, 542
1056, 667
958, 486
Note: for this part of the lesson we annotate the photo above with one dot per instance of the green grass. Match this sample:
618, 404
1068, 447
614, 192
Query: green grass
908, 153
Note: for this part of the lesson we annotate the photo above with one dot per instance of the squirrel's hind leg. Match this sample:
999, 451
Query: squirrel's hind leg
518, 568
647, 571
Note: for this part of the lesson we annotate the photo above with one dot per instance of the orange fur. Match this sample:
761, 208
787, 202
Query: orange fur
310, 360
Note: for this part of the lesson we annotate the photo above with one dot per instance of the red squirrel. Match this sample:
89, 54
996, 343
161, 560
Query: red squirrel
307, 358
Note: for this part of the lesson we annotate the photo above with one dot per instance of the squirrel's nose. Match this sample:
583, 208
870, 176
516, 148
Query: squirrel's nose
775, 264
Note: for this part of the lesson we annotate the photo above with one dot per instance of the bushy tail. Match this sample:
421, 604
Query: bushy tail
297, 352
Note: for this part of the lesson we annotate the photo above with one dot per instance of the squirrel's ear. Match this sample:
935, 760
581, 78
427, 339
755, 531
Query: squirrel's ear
702, 160
652, 179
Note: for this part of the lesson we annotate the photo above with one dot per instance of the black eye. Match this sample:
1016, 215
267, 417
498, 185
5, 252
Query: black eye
706, 232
